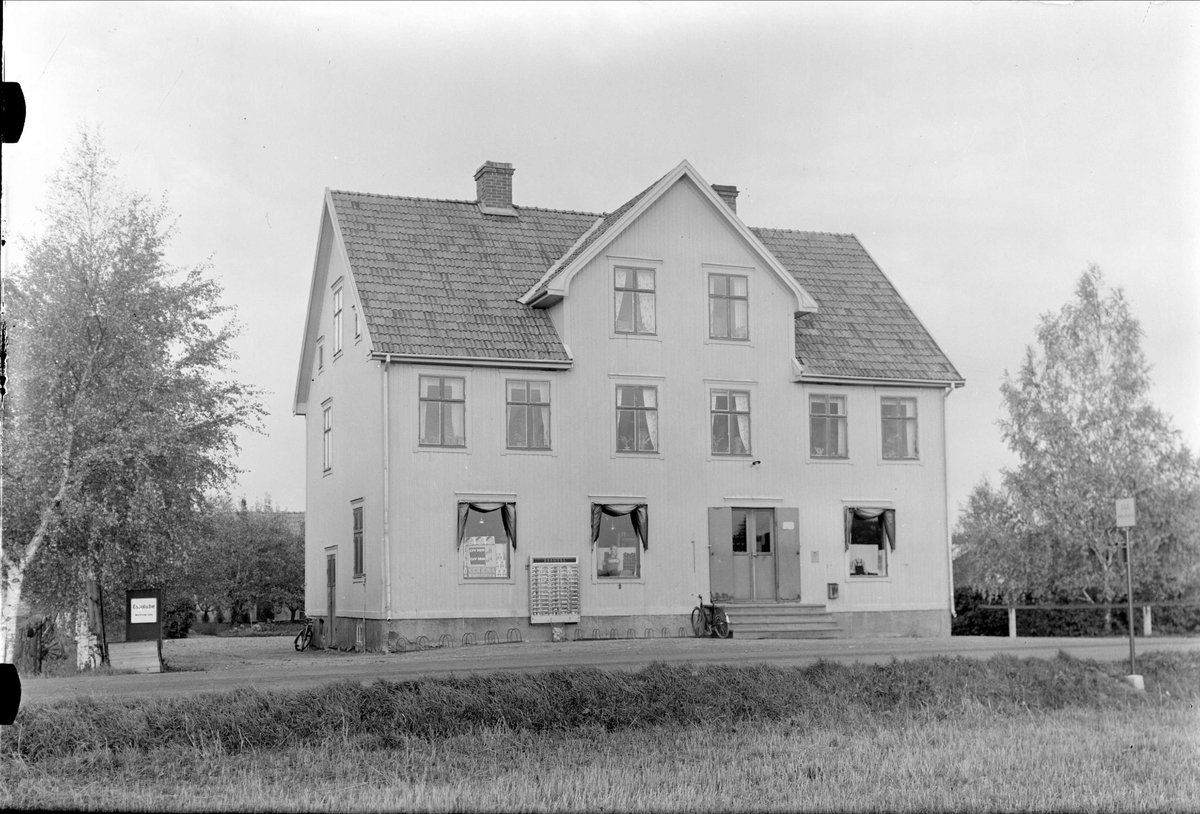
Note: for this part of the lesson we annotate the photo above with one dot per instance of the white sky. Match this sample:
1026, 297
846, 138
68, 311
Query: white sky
983, 153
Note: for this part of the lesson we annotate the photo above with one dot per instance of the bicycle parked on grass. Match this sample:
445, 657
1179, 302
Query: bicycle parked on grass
305, 636
710, 620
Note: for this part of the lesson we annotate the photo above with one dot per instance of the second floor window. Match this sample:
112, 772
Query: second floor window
727, 307
634, 291
443, 404
730, 410
337, 322
827, 426
327, 438
637, 418
899, 420
528, 414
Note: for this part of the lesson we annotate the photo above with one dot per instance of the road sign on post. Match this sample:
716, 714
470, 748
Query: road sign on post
1126, 519
1126, 513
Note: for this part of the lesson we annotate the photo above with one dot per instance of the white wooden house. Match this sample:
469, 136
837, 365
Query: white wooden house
679, 403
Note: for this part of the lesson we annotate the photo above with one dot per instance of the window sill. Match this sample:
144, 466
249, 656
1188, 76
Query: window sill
543, 452
487, 580
826, 460
618, 580
436, 450
900, 461
637, 456
637, 337
326, 473
360, 579
737, 343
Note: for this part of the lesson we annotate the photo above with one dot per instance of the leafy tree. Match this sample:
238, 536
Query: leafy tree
249, 558
120, 416
1081, 422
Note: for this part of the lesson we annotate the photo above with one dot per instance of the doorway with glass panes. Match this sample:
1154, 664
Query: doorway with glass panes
753, 554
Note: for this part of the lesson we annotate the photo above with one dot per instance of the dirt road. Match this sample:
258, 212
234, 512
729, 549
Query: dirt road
210, 664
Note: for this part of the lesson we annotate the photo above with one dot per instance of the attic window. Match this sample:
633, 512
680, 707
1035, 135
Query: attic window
337, 322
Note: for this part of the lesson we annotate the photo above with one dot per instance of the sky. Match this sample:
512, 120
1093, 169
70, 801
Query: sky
983, 153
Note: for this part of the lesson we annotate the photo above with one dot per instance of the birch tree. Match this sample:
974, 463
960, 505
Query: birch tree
120, 414
1080, 420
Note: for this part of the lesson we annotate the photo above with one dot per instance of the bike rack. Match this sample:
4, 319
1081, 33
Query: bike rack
423, 642
445, 641
682, 633
630, 633
468, 639
511, 637
612, 634
649, 634
666, 632
596, 634
490, 637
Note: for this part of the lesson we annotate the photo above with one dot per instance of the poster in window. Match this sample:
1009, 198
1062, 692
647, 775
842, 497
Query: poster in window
484, 558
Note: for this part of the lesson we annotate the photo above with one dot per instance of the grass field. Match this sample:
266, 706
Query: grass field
936, 734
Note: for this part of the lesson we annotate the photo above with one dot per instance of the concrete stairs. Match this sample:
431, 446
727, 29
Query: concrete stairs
772, 620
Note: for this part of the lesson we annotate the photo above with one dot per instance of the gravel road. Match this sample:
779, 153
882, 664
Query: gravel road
208, 664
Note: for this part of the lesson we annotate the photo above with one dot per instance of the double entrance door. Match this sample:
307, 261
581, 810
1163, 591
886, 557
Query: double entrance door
754, 554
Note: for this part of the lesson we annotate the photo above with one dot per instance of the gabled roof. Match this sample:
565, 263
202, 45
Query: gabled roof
553, 285
441, 278
864, 328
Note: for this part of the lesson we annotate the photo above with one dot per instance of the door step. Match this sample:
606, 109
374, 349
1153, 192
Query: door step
781, 621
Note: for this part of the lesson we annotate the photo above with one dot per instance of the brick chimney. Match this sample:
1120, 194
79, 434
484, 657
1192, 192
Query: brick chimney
493, 188
728, 195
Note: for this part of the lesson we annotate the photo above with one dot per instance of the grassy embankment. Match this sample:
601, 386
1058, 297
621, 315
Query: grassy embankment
934, 734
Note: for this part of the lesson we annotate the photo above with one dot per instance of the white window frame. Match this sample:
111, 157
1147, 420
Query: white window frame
327, 436
358, 526
619, 262
485, 497
916, 424
655, 382
888, 554
844, 418
548, 404
337, 319
444, 372
643, 554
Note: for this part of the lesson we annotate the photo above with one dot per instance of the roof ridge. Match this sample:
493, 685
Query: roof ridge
460, 201
806, 231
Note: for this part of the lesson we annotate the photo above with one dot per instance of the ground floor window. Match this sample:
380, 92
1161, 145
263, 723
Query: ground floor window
619, 536
870, 536
487, 532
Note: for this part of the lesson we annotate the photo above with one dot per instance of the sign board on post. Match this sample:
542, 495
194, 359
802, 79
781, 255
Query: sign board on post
1126, 513
143, 615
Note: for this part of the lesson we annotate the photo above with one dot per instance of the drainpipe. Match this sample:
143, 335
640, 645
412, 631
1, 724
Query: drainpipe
387, 494
946, 485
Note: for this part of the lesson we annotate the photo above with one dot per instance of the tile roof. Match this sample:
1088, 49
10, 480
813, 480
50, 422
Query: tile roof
440, 278
605, 223
862, 328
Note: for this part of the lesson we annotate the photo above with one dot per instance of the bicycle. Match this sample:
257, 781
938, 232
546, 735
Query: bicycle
305, 636
710, 620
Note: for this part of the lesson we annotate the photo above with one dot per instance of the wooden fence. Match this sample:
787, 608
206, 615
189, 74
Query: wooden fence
1147, 626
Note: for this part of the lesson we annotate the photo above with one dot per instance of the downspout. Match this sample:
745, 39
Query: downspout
946, 486
387, 495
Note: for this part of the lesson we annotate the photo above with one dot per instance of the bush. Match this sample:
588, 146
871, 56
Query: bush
178, 616
974, 620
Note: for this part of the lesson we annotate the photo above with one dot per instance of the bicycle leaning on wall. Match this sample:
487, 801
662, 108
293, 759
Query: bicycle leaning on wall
710, 620
305, 636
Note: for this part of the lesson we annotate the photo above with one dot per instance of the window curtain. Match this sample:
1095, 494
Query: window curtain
888, 523
508, 516
637, 513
